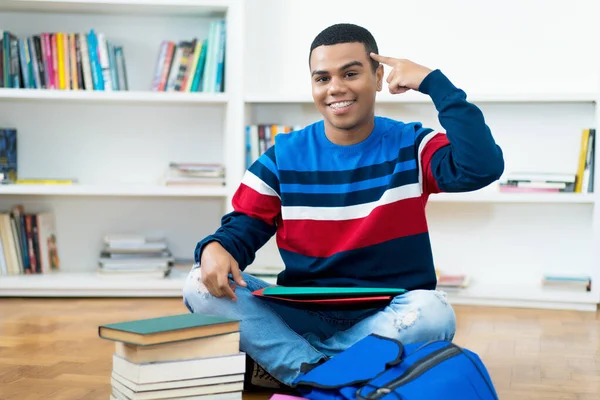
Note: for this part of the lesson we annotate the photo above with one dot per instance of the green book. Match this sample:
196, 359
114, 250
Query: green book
329, 292
168, 329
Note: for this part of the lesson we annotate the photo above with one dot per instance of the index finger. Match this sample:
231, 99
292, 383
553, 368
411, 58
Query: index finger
224, 287
382, 59
228, 290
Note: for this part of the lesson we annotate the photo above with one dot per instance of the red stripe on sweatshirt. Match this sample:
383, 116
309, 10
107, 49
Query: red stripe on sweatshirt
317, 238
254, 204
429, 183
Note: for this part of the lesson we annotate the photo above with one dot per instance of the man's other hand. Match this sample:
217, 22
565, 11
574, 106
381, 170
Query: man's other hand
216, 264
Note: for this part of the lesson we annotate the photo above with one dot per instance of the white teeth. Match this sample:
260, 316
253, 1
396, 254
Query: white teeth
341, 104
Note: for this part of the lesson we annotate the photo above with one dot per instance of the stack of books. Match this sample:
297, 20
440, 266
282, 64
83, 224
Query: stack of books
195, 174
581, 181
135, 256
191, 356
577, 282
451, 282
528, 182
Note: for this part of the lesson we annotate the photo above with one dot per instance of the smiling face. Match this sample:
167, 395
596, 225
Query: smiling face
344, 88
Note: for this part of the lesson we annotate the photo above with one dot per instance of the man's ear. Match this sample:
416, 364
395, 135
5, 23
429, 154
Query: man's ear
379, 77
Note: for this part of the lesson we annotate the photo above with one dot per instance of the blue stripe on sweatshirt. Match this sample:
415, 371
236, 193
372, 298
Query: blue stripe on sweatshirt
265, 174
348, 187
270, 165
405, 156
351, 198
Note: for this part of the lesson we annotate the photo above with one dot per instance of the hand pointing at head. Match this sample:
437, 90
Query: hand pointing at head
405, 74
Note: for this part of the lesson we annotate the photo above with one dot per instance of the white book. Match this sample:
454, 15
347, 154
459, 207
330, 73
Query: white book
104, 62
169, 371
179, 392
88, 83
147, 387
116, 395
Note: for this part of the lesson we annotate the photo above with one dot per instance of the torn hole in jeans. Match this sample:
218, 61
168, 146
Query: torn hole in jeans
196, 276
407, 320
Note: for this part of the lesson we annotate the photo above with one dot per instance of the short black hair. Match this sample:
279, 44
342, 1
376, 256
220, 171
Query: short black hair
346, 33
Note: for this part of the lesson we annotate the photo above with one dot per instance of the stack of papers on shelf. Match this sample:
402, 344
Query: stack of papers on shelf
450, 282
177, 356
135, 256
536, 182
195, 174
577, 282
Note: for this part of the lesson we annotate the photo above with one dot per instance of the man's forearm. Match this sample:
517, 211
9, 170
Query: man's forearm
473, 159
241, 236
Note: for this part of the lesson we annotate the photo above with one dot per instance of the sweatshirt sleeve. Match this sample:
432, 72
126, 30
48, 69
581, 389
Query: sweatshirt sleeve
465, 157
256, 210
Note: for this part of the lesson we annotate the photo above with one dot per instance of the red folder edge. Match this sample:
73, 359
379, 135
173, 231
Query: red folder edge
345, 300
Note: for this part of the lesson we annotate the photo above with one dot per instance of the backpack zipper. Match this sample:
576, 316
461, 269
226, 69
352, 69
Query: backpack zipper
417, 369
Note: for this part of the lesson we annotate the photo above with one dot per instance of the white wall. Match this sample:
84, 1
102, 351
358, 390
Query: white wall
484, 46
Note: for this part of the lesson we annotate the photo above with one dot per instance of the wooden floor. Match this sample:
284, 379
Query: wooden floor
49, 348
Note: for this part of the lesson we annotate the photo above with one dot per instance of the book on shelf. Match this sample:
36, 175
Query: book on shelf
451, 281
195, 65
9, 170
195, 174
578, 282
260, 137
176, 356
538, 182
28, 243
44, 181
8, 155
585, 165
134, 256
181, 268
62, 61
580, 181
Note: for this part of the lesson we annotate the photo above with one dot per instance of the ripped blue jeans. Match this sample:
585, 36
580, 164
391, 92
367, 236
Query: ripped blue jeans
280, 338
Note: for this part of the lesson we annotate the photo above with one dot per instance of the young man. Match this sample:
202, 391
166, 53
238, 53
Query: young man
346, 198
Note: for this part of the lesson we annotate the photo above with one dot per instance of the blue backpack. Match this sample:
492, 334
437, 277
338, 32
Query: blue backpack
382, 368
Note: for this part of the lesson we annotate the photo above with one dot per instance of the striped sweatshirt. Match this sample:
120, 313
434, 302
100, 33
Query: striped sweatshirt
355, 215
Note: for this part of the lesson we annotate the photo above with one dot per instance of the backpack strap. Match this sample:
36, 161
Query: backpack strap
431, 354
356, 365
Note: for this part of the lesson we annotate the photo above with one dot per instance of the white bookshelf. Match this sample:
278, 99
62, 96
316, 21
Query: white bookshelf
118, 144
503, 241
528, 294
491, 196
88, 284
160, 8
123, 190
126, 97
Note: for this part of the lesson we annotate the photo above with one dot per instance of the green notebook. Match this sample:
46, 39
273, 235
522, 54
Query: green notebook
329, 292
168, 328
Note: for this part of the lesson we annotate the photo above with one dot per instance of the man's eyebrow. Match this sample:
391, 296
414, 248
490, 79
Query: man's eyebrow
343, 67
351, 64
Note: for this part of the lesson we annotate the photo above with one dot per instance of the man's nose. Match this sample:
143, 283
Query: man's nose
336, 85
